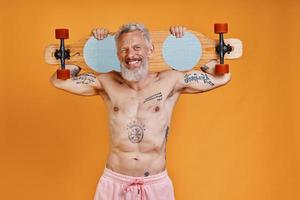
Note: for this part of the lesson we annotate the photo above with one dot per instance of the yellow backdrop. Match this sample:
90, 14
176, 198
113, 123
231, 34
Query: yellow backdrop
239, 142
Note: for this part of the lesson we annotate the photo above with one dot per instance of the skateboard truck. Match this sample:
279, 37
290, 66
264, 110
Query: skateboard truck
222, 49
62, 54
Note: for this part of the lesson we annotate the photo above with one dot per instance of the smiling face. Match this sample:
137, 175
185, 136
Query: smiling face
133, 52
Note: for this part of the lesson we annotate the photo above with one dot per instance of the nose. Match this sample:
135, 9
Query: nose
130, 53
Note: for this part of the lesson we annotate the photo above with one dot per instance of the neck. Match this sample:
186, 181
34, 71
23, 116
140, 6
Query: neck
141, 84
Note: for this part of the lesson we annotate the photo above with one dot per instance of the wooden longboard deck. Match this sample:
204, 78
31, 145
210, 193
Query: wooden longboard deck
164, 55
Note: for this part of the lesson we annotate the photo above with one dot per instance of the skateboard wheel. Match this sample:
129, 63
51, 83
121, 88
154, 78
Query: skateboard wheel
61, 33
221, 28
221, 69
63, 74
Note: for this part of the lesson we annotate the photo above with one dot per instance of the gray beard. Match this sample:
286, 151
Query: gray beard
135, 75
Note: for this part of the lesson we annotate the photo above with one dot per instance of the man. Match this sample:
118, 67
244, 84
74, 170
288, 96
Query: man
140, 105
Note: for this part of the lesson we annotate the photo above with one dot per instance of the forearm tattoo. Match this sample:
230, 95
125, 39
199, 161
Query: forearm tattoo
135, 131
157, 96
84, 79
194, 77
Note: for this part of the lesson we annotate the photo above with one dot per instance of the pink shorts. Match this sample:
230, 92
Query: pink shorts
115, 186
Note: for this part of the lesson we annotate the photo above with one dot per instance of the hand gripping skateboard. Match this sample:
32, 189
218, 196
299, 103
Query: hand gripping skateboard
191, 51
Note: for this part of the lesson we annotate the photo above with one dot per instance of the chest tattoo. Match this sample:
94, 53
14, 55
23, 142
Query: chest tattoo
135, 131
157, 96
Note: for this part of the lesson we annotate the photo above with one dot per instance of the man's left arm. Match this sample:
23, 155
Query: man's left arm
197, 81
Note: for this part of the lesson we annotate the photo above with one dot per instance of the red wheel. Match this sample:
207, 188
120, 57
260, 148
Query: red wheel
221, 28
221, 69
63, 74
61, 33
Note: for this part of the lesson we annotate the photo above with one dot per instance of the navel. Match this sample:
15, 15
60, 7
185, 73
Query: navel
146, 173
116, 109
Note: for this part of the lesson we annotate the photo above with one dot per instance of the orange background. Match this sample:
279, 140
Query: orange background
239, 142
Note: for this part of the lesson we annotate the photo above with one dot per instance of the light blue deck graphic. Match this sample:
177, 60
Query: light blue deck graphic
182, 53
101, 55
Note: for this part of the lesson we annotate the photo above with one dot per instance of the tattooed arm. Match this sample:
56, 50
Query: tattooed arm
200, 81
85, 84
197, 81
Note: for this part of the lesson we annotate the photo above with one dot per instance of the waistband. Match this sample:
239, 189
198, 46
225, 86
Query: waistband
123, 179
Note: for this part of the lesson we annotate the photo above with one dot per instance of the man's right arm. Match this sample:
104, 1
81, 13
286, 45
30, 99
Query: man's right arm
86, 84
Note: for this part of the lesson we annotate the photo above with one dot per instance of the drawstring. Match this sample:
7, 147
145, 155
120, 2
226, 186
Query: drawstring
140, 184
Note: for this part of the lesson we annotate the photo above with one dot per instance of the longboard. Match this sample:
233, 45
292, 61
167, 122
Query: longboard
191, 51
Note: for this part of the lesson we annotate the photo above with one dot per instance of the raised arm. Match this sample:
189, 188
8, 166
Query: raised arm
85, 84
197, 81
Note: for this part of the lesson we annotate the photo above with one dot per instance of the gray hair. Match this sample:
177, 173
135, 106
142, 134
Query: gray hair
126, 28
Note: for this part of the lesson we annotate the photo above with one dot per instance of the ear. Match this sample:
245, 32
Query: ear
151, 50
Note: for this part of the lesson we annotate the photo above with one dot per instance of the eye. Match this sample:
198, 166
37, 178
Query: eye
137, 48
123, 50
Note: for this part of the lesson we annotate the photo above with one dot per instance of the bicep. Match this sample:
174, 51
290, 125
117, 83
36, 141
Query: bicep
85, 84
196, 81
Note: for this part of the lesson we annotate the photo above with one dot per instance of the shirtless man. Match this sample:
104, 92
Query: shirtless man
140, 105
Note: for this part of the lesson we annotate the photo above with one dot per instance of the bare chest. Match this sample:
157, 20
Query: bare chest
138, 120
154, 99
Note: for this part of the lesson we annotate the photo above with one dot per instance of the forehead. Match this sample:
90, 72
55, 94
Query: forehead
133, 37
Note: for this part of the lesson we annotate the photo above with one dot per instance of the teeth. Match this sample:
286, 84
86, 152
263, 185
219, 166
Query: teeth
133, 62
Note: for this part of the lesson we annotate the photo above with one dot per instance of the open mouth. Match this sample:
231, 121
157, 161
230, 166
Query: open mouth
133, 63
